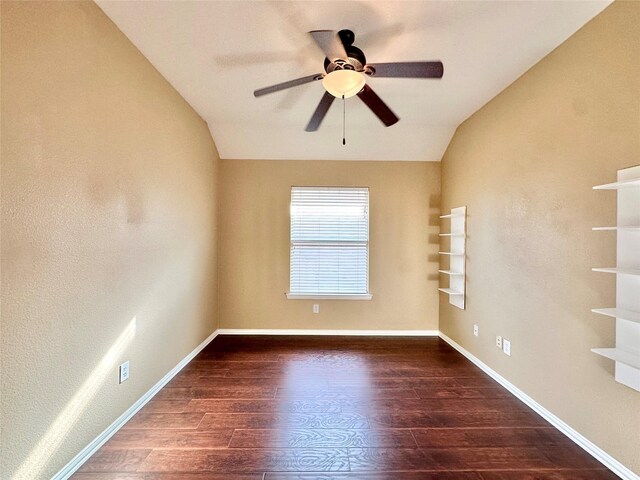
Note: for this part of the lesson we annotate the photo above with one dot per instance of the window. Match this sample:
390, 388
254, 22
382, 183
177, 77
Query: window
329, 243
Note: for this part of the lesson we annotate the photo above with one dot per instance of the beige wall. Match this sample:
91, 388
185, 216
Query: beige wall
108, 215
254, 247
524, 165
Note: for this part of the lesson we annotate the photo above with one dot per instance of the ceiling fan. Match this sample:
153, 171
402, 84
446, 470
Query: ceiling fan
346, 69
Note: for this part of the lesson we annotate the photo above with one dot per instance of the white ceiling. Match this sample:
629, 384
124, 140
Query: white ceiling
215, 53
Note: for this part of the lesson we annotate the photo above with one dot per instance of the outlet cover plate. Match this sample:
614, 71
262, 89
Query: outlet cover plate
499, 341
475, 330
124, 372
316, 308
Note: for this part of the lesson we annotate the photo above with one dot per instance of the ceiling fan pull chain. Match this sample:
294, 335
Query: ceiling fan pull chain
344, 120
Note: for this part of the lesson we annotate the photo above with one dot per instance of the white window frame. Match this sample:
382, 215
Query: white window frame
321, 296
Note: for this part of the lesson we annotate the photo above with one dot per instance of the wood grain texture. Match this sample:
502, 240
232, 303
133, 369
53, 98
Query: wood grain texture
549, 475
264, 406
170, 438
310, 437
346, 392
165, 406
285, 421
166, 476
241, 460
466, 419
487, 437
164, 420
397, 475
116, 460
555, 457
343, 408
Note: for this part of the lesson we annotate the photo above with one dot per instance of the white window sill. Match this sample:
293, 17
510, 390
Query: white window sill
357, 296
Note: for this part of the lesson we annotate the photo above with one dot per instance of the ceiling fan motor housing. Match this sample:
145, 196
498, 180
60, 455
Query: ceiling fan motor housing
355, 61
355, 57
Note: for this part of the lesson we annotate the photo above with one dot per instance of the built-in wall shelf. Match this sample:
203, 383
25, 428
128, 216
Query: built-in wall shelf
600, 229
620, 271
455, 237
630, 182
451, 291
619, 355
449, 272
626, 352
620, 313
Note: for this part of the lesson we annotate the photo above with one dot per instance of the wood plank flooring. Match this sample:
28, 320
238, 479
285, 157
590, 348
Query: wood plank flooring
336, 408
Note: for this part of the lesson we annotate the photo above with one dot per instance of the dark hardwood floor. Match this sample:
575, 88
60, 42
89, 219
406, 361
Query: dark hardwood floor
337, 408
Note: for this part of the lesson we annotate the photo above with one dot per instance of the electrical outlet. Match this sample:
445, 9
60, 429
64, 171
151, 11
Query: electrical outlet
124, 371
316, 308
499, 341
506, 347
475, 330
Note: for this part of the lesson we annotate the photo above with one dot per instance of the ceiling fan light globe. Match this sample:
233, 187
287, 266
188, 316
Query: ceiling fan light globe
343, 83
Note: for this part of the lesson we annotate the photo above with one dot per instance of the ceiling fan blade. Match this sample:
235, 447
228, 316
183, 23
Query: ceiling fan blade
377, 106
321, 111
330, 43
285, 85
408, 69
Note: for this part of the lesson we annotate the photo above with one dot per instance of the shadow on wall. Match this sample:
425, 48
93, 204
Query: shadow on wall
51, 441
434, 238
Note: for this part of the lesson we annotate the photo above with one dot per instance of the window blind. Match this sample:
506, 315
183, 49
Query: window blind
329, 241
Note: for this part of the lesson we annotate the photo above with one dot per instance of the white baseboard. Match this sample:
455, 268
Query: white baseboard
84, 455
596, 452
363, 333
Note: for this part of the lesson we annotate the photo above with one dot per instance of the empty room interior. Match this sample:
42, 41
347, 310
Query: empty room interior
330, 240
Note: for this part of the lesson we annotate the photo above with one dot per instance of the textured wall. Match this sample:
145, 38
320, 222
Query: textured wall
108, 230
254, 246
524, 165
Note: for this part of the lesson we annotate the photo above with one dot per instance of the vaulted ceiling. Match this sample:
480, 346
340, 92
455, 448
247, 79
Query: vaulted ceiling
216, 53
